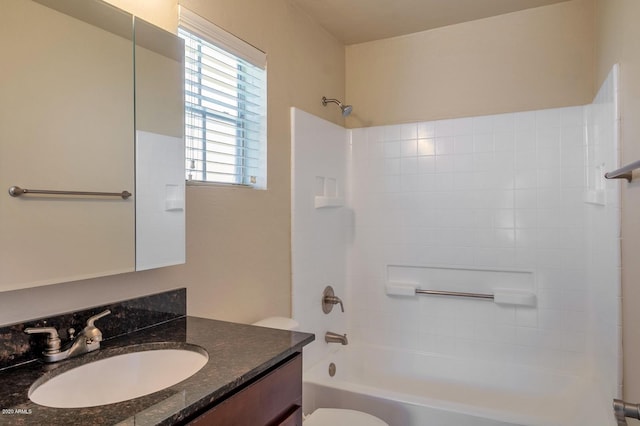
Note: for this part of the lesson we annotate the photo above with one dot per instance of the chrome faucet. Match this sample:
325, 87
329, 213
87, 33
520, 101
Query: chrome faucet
331, 337
88, 340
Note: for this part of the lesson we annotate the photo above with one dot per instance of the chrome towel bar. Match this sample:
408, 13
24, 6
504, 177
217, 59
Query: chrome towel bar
623, 172
16, 191
622, 410
455, 293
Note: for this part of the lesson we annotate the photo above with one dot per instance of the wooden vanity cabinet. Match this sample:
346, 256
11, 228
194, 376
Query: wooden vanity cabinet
273, 400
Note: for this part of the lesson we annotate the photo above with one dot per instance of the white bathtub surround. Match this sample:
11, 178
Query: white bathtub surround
414, 388
603, 238
318, 240
500, 193
477, 205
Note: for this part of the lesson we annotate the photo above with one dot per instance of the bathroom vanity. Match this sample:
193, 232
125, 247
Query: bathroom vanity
253, 374
275, 399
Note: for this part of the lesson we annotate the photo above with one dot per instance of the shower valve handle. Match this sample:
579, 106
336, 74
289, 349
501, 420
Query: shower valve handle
329, 299
334, 300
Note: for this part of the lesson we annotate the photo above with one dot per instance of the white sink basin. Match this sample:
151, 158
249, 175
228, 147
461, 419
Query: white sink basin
118, 378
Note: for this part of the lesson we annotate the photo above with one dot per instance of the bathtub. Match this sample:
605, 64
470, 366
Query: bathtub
416, 389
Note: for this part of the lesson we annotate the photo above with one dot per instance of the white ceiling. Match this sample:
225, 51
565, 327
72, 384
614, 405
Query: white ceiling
357, 21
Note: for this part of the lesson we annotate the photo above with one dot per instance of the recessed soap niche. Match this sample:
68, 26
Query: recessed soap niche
327, 194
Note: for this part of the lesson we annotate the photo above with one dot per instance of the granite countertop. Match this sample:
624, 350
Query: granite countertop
237, 354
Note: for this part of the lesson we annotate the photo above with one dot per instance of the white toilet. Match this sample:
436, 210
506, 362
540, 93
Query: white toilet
278, 322
324, 416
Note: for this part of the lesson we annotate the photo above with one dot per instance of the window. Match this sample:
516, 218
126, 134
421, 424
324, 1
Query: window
225, 105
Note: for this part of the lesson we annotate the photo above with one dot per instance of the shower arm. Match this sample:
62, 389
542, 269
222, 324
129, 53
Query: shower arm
325, 101
346, 109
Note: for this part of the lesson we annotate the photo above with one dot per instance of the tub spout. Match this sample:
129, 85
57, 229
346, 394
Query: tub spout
331, 337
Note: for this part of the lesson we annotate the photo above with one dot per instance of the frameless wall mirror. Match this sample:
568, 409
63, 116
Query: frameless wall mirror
160, 181
68, 124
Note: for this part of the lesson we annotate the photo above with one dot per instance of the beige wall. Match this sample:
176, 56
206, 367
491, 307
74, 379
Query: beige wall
238, 240
617, 36
537, 58
162, 13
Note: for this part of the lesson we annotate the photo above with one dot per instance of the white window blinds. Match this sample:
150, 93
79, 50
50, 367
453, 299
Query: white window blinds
225, 105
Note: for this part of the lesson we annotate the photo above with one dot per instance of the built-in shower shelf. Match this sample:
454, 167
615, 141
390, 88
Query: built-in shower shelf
502, 286
499, 296
322, 202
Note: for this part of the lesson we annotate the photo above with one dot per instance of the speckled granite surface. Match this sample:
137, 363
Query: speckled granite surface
126, 316
237, 354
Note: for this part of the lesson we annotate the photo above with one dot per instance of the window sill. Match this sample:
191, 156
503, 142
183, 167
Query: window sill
219, 185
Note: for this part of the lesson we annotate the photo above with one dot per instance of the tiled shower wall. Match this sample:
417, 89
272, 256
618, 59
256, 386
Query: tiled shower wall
502, 192
494, 193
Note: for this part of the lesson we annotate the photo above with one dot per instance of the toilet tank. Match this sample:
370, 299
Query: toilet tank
281, 323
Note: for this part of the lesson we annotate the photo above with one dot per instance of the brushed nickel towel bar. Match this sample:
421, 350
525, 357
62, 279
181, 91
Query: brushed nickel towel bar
455, 293
623, 172
16, 191
501, 296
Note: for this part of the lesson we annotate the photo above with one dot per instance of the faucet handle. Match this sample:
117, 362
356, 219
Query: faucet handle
329, 299
53, 340
96, 317
334, 300
91, 332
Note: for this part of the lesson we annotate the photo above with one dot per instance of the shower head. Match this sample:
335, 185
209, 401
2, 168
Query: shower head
346, 109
